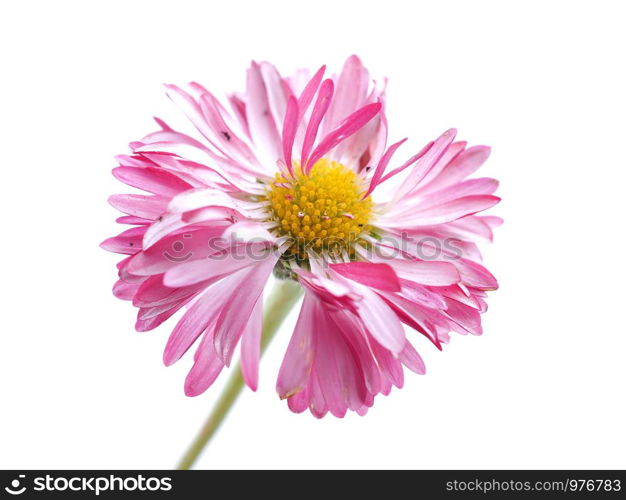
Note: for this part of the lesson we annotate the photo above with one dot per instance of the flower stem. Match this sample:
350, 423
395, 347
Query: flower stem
282, 298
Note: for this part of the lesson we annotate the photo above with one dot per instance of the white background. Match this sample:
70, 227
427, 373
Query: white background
542, 82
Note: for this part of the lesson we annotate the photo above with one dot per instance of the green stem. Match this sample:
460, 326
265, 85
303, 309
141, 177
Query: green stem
282, 298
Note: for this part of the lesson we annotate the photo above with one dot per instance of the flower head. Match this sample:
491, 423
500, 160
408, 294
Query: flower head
294, 177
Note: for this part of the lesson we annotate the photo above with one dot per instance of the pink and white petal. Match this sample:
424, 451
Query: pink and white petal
263, 126
189, 327
248, 231
131, 219
466, 317
235, 147
138, 205
320, 108
190, 106
216, 265
239, 306
290, 127
379, 276
308, 92
152, 292
455, 149
350, 382
298, 402
317, 401
202, 197
127, 242
461, 167
125, 291
469, 187
206, 368
176, 249
251, 347
422, 295
380, 168
491, 220
239, 110
425, 163
152, 180
144, 325
356, 337
175, 223
347, 128
379, 319
445, 212
351, 91
389, 365
200, 316
419, 318
278, 91
475, 275
296, 366
426, 272
354, 151
410, 358
329, 378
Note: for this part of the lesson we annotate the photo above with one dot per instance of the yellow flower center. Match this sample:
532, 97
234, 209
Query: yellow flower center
322, 211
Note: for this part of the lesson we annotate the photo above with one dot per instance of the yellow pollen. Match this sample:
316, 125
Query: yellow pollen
322, 211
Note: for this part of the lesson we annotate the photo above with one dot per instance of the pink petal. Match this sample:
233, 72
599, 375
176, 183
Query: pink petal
153, 180
470, 187
407, 163
206, 368
445, 212
127, 242
380, 320
124, 291
317, 402
251, 347
238, 308
475, 275
351, 91
380, 168
380, 276
223, 135
146, 207
462, 166
349, 126
453, 151
189, 328
429, 159
424, 320
260, 120
131, 219
330, 383
356, 337
466, 317
319, 110
290, 126
198, 318
150, 323
389, 365
153, 293
174, 250
215, 265
296, 366
426, 272
278, 90
410, 358
298, 402
309, 91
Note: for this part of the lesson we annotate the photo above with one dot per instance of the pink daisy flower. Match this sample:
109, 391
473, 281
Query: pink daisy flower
294, 178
